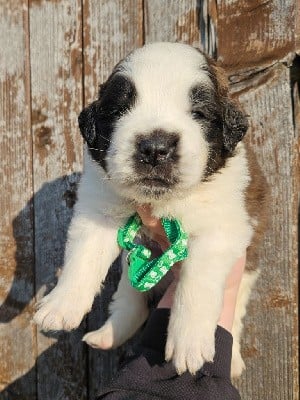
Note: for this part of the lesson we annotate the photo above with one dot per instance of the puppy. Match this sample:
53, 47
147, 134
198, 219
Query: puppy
165, 132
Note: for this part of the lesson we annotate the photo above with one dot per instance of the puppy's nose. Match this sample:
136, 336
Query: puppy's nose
157, 148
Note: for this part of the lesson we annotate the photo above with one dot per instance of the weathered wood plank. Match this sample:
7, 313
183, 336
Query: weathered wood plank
270, 323
256, 33
111, 30
56, 70
16, 223
207, 27
252, 36
172, 21
295, 225
297, 27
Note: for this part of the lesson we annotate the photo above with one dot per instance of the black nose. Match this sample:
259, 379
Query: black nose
157, 148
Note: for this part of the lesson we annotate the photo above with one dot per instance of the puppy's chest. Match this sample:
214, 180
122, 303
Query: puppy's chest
216, 204
205, 211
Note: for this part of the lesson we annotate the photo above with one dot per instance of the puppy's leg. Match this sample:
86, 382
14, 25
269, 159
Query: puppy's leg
91, 248
198, 301
248, 280
128, 312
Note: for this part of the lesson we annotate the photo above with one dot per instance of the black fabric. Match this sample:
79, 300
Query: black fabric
147, 376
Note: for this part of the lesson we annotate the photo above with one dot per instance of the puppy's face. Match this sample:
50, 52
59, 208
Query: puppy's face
163, 122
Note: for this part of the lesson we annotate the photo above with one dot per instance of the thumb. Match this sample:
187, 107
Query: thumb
145, 212
153, 224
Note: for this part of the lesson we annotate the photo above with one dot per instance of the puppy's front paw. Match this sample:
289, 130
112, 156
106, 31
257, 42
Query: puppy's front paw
60, 310
189, 346
102, 338
237, 363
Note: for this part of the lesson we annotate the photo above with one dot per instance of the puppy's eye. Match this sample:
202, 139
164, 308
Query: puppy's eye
198, 115
116, 97
114, 112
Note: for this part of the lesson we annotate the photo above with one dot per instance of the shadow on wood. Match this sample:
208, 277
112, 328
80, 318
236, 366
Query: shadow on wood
63, 361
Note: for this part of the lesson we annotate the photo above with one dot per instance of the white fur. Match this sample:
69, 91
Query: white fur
90, 250
163, 103
212, 212
128, 312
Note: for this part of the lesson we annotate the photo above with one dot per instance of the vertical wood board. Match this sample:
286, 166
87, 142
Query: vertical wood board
296, 233
171, 21
111, 30
56, 76
268, 342
17, 333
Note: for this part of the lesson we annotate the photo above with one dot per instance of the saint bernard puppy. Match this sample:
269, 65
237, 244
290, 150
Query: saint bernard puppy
164, 131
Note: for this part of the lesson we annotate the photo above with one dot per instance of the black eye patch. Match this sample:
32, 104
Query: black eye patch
97, 121
204, 105
206, 109
116, 97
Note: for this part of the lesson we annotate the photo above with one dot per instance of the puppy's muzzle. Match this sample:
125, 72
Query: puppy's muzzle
157, 148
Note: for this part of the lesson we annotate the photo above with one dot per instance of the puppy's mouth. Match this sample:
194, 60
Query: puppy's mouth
155, 182
150, 186
155, 186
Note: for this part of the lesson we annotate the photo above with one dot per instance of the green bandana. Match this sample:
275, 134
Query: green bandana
144, 273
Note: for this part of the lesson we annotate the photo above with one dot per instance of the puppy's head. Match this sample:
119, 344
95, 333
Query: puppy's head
163, 122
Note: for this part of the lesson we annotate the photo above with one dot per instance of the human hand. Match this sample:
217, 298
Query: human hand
154, 225
232, 283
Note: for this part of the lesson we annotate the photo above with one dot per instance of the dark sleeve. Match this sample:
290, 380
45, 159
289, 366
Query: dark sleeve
147, 376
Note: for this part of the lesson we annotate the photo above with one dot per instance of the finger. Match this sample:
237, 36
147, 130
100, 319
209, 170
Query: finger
153, 224
230, 294
145, 212
235, 276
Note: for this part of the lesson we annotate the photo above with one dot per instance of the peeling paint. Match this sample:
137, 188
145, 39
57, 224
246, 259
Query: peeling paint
12, 45
185, 27
253, 33
277, 299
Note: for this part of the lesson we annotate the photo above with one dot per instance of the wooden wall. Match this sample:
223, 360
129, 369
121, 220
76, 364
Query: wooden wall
53, 55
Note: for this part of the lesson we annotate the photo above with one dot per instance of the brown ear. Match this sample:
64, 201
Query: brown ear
219, 78
235, 125
235, 122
